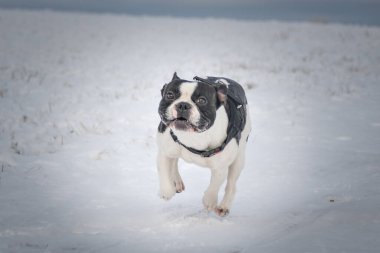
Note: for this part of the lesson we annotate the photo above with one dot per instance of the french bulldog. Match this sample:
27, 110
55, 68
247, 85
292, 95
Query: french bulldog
206, 122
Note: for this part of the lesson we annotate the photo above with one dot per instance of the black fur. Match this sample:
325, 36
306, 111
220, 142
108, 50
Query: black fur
173, 86
207, 111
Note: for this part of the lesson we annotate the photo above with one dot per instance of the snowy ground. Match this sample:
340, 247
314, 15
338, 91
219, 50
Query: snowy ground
78, 117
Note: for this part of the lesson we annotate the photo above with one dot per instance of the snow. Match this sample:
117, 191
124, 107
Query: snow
78, 119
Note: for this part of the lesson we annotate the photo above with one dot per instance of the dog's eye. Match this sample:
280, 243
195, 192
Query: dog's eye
201, 101
169, 95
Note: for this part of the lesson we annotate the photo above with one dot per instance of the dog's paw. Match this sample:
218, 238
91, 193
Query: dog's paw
210, 201
166, 193
222, 212
179, 185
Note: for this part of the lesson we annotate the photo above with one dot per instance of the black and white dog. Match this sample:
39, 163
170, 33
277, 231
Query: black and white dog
206, 122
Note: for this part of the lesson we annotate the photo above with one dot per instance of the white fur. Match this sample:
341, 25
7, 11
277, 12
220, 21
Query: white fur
224, 165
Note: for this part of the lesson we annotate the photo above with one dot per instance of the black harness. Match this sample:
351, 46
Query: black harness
236, 108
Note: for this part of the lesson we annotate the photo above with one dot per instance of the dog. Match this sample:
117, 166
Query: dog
206, 122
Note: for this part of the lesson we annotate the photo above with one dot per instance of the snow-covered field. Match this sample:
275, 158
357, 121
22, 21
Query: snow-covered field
78, 118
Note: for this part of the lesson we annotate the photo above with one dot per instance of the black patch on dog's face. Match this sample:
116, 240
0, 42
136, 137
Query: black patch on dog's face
204, 96
172, 87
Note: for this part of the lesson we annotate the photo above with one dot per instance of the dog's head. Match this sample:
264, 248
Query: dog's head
190, 105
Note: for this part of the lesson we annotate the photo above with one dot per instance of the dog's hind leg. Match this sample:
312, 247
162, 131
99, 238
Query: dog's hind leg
233, 175
210, 198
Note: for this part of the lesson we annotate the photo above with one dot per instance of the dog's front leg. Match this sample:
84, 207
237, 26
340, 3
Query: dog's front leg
210, 198
167, 168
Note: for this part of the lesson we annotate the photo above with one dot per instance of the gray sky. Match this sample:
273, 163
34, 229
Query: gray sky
343, 11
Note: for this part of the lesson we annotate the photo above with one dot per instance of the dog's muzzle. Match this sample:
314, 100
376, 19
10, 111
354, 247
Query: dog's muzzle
181, 122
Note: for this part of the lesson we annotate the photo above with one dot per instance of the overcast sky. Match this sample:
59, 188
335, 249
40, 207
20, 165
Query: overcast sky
344, 11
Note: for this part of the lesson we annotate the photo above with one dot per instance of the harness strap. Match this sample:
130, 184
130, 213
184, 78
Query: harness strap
197, 78
204, 153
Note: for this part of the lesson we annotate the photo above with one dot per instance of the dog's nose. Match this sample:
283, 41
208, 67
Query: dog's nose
183, 106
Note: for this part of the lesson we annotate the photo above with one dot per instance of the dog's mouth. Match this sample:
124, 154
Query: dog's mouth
182, 119
182, 123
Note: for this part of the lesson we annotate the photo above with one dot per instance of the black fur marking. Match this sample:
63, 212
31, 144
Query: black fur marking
161, 127
173, 86
208, 110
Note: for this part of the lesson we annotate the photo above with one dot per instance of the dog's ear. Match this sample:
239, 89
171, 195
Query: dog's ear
163, 90
221, 92
175, 77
